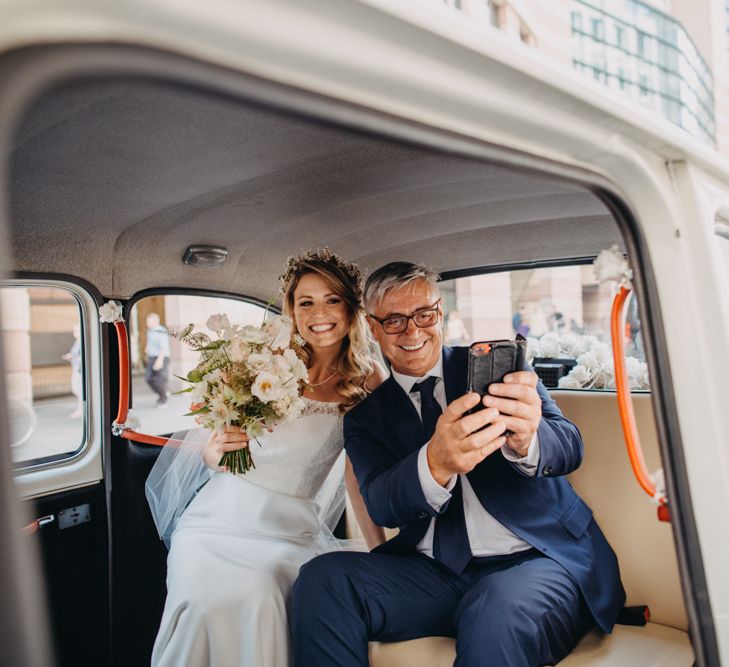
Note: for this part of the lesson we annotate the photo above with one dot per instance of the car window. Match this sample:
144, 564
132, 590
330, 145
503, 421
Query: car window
159, 359
562, 311
43, 348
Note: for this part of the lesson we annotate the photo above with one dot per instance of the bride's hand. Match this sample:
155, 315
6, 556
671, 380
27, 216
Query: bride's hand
230, 439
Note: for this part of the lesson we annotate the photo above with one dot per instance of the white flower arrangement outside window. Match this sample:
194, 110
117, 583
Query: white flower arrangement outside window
595, 368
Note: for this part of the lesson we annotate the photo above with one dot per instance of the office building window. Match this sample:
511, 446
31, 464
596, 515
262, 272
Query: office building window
649, 56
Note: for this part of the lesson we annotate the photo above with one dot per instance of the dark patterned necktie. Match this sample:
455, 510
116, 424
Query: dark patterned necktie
429, 407
450, 540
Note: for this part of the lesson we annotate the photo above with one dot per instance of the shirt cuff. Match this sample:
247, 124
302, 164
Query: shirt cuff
435, 494
528, 463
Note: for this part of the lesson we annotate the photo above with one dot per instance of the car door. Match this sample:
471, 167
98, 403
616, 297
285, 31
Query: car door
56, 395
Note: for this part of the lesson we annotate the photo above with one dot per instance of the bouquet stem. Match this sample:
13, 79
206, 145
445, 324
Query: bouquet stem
238, 462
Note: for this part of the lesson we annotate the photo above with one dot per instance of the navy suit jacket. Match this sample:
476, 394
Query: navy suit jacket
383, 435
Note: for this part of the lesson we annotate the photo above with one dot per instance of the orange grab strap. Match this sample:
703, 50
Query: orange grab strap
128, 434
31, 528
625, 405
122, 340
124, 373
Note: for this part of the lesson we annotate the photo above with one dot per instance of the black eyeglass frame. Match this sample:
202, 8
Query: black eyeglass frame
435, 307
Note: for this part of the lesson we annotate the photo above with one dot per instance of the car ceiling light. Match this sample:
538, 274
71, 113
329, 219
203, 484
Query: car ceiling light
209, 256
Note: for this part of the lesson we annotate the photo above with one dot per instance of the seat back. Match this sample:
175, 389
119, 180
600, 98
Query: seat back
644, 546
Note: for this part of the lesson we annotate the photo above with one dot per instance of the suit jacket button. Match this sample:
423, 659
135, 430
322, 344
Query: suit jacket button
547, 470
422, 515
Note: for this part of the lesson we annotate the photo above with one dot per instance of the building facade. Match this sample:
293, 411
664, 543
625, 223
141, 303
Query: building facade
667, 56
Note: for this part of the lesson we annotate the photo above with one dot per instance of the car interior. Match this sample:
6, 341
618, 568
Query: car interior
114, 172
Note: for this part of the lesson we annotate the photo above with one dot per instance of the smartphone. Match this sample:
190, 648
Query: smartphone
489, 361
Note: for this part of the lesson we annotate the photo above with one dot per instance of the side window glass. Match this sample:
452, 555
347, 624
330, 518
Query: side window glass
45, 377
562, 311
158, 359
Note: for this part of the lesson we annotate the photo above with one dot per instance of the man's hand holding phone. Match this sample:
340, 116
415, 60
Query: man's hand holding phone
461, 441
495, 372
519, 407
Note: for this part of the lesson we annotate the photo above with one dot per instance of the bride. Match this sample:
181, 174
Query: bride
236, 549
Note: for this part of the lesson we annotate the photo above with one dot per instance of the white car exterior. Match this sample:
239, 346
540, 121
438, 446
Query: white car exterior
418, 67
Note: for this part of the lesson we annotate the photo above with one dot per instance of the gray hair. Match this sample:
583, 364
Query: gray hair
395, 275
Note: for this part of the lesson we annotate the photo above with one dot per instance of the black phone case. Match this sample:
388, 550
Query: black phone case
503, 357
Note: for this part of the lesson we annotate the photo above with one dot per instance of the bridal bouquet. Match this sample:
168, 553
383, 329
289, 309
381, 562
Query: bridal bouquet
248, 377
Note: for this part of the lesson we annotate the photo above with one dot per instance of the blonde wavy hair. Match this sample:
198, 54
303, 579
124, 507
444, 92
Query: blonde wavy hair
354, 362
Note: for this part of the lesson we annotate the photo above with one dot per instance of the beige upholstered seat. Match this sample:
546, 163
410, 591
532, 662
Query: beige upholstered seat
644, 546
652, 646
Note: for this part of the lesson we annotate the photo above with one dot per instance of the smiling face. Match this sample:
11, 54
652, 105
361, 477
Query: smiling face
414, 351
321, 315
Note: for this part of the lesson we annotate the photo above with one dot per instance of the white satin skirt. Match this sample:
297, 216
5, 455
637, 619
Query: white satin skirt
234, 556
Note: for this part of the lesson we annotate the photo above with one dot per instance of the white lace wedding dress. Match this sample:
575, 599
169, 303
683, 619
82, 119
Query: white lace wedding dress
237, 549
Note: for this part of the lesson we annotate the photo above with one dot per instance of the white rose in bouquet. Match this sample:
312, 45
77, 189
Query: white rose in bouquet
267, 387
289, 406
229, 333
258, 362
279, 329
217, 323
239, 350
295, 365
253, 335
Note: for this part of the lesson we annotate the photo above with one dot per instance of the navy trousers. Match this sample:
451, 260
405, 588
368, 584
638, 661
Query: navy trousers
518, 610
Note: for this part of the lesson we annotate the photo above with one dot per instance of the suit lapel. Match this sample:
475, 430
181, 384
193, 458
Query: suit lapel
402, 417
400, 413
455, 369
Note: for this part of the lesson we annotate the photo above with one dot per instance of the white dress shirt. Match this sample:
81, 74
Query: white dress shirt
486, 535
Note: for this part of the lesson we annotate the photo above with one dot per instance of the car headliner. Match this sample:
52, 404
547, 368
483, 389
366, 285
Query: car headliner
111, 180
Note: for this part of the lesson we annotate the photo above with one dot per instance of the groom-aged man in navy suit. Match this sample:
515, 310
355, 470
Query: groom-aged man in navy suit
494, 548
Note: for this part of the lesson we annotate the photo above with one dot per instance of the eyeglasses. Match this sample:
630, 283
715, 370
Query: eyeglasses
423, 318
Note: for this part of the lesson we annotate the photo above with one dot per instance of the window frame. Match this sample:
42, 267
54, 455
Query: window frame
83, 466
128, 305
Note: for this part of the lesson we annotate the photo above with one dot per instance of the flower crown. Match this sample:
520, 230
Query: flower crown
324, 256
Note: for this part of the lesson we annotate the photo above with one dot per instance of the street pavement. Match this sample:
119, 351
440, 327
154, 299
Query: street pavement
49, 430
